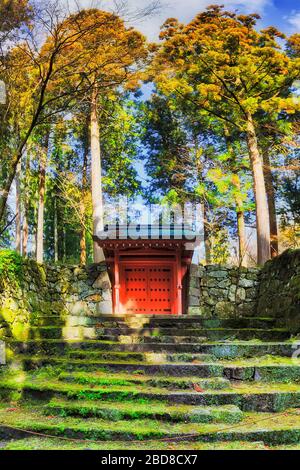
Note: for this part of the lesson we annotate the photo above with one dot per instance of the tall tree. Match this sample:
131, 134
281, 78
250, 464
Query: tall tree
227, 69
113, 57
18, 210
41, 197
44, 80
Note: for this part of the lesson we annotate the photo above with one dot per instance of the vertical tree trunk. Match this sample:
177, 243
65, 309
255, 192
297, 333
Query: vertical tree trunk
18, 208
242, 239
25, 227
240, 224
82, 237
96, 177
25, 232
41, 203
262, 211
82, 208
238, 202
206, 234
4, 193
55, 230
271, 204
64, 245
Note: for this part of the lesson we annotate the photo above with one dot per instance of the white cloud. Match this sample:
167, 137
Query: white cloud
184, 10
294, 21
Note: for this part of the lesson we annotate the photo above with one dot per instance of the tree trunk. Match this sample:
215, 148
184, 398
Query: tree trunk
206, 234
271, 204
242, 239
4, 193
41, 203
82, 208
18, 209
238, 202
25, 227
96, 177
64, 245
25, 232
241, 226
262, 211
82, 237
55, 230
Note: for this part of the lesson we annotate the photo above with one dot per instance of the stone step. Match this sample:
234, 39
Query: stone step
170, 322
275, 373
171, 336
182, 331
269, 398
220, 349
150, 357
262, 427
53, 443
170, 383
49, 320
156, 365
137, 411
28, 363
111, 334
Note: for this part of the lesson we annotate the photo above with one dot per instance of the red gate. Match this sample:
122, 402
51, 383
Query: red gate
147, 289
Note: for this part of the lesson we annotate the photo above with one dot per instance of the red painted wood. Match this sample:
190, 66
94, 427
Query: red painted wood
148, 288
179, 282
117, 282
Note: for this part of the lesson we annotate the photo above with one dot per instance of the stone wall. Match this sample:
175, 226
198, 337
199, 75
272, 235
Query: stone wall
279, 290
30, 291
223, 292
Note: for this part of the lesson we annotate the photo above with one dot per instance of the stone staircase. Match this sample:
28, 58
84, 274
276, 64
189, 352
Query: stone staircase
151, 383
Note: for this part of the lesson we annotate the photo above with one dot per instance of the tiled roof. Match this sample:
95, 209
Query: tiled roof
147, 232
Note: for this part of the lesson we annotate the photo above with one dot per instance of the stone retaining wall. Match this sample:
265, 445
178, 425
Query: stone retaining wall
29, 291
223, 292
279, 290
35, 291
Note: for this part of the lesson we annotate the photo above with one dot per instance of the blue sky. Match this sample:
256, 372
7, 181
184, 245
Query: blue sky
285, 14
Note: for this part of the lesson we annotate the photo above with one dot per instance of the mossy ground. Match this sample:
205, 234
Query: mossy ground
229, 394
55, 444
267, 427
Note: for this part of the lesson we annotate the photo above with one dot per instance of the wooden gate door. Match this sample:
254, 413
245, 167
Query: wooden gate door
147, 289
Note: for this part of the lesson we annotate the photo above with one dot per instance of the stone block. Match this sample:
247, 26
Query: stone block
102, 281
217, 274
246, 283
193, 301
194, 291
105, 307
78, 308
194, 282
225, 309
236, 294
195, 310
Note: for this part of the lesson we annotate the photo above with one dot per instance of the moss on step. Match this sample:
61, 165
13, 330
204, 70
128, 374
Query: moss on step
267, 360
175, 369
120, 411
172, 383
219, 349
147, 357
249, 397
269, 428
56, 444
221, 414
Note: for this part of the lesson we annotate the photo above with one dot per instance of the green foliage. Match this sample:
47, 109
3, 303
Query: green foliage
11, 265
